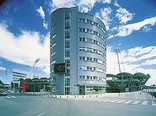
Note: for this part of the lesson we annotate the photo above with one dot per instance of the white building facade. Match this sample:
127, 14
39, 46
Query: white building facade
78, 46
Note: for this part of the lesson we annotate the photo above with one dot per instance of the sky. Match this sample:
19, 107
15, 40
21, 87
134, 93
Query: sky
25, 36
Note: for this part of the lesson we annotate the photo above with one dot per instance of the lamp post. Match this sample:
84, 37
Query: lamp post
36, 61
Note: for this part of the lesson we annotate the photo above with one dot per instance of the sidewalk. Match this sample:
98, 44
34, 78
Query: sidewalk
129, 95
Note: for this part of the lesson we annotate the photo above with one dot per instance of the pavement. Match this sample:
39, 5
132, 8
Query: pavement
119, 101
24, 105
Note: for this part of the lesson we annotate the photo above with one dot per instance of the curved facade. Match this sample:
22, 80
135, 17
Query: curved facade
78, 41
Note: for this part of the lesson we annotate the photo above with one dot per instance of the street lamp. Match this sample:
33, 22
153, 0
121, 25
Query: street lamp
36, 61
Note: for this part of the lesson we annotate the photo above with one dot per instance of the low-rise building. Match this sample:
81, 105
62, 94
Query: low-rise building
35, 84
126, 82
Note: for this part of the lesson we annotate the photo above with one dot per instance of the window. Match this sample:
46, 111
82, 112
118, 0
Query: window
87, 77
80, 77
67, 15
67, 53
67, 34
80, 20
67, 90
53, 53
83, 68
54, 44
53, 36
80, 29
67, 72
80, 58
67, 44
67, 62
54, 61
53, 27
67, 81
67, 25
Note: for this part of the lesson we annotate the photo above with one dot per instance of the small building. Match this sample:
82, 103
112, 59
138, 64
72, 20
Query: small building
4, 86
35, 84
17, 74
126, 82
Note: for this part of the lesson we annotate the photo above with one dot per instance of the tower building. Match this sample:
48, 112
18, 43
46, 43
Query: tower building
77, 52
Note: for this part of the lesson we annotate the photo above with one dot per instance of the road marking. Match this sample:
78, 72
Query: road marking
13, 96
128, 101
41, 114
106, 100
136, 102
121, 101
115, 100
144, 103
8, 97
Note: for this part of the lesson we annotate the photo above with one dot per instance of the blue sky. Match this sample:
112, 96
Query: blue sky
131, 26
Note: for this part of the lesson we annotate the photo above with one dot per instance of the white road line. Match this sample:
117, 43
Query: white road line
136, 102
144, 103
115, 100
13, 96
121, 101
107, 100
8, 97
128, 101
96, 100
102, 100
41, 114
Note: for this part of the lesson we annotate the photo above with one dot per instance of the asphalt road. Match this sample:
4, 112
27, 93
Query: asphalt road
46, 106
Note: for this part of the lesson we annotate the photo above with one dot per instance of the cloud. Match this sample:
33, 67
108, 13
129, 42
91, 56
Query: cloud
116, 3
87, 5
3, 68
106, 1
128, 29
147, 28
133, 60
141, 53
124, 15
42, 15
125, 30
62, 3
41, 12
45, 25
150, 62
84, 5
25, 48
104, 15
